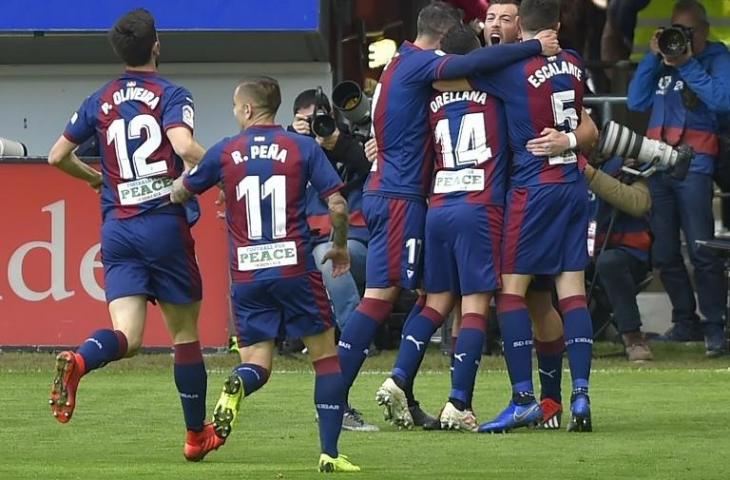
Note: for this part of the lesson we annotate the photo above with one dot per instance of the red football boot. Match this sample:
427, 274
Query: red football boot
552, 413
199, 444
69, 369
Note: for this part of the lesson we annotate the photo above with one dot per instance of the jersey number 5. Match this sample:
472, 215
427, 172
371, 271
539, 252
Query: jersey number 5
138, 167
566, 120
253, 191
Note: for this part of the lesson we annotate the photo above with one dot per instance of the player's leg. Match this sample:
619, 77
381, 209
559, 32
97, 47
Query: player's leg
572, 298
246, 378
126, 280
526, 248
457, 414
549, 345
579, 345
257, 319
418, 330
393, 261
392, 393
329, 400
307, 314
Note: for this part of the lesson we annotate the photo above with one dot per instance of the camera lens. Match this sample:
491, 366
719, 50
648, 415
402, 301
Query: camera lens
673, 42
323, 125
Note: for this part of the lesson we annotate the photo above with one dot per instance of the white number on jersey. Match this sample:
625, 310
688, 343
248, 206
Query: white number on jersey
253, 191
564, 112
471, 143
139, 167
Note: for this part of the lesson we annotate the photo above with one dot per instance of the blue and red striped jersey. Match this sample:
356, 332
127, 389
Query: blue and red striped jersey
539, 92
130, 116
400, 124
470, 135
265, 171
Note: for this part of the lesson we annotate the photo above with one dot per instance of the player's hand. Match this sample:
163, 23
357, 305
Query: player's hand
549, 41
550, 143
654, 42
96, 183
301, 125
340, 260
179, 193
221, 203
371, 150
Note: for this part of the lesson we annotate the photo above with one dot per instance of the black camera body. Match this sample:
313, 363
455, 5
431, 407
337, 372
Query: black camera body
675, 40
321, 123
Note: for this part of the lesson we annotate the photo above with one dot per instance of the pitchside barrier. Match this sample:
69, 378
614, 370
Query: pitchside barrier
52, 282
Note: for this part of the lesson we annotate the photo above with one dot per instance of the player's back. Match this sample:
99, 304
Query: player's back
540, 92
471, 149
400, 124
265, 171
130, 116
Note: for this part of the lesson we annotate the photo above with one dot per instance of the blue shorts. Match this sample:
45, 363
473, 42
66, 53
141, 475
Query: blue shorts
396, 241
152, 254
546, 229
462, 249
292, 307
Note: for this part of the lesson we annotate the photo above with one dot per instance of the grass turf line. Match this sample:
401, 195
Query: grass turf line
667, 419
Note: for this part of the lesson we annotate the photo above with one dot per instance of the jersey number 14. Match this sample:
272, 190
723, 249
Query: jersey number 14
471, 142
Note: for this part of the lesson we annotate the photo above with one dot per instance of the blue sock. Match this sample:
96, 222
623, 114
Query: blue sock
550, 367
514, 323
415, 310
102, 347
191, 380
578, 339
329, 400
253, 377
358, 335
468, 354
414, 340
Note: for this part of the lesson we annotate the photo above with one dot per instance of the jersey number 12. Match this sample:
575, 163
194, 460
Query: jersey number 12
139, 167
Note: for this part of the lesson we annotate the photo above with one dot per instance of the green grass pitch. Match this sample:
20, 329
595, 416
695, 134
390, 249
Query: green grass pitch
664, 420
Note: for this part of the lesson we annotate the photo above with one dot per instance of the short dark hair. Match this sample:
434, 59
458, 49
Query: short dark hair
516, 3
460, 40
436, 18
133, 37
537, 15
692, 6
309, 97
263, 91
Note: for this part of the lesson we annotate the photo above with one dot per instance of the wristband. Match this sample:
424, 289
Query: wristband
572, 140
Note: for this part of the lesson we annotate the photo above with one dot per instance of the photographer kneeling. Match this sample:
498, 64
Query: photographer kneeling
622, 245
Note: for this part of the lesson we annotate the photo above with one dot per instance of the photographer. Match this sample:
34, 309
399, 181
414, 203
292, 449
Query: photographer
348, 158
685, 80
622, 246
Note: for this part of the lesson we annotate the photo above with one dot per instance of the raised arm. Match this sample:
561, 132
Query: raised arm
488, 59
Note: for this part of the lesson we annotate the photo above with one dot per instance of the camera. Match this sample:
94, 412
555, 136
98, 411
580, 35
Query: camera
675, 40
349, 99
321, 123
621, 141
11, 148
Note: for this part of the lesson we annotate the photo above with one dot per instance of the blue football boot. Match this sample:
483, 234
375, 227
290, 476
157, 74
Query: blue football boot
580, 412
514, 416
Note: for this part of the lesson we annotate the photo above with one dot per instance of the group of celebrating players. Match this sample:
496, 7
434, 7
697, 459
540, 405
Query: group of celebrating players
475, 178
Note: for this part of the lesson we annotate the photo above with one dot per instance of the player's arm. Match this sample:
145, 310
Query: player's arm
458, 85
185, 146
488, 59
338, 254
200, 178
552, 142
62, 156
